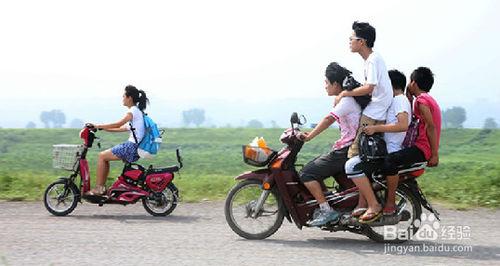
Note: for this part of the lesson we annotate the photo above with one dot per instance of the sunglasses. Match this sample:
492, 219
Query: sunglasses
355, 38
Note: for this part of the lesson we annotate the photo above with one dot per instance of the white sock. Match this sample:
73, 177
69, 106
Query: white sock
325, 206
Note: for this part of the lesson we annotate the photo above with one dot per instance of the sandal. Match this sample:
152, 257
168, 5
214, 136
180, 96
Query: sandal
97, 191
358, 212
389, 211
370, 217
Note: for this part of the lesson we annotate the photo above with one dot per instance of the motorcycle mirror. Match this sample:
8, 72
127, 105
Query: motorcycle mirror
294, 119
303, 120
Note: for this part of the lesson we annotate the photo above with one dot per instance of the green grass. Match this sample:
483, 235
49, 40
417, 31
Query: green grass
468, 174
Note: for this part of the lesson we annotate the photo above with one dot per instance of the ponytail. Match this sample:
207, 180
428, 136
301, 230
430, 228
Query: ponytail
350, 84
143, 100
336, 73
138, 97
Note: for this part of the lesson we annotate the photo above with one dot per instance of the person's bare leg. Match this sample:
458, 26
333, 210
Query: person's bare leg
361, 201
326, 213
316, 190
392, 185
366, 190
103, 167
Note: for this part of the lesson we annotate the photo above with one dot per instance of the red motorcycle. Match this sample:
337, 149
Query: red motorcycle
256, 206
153, 186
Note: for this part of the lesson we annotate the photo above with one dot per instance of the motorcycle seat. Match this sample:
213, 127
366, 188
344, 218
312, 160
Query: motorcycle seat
403, 169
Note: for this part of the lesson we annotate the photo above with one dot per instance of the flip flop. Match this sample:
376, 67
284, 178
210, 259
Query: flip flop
389, 211
97, 191
370, 217
358, 212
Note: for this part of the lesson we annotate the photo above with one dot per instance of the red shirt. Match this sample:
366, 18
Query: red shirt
422, 141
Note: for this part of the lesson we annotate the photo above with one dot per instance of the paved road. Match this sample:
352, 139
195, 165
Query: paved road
197, 234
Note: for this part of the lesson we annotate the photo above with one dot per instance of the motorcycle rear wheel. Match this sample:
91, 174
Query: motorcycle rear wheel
377, 233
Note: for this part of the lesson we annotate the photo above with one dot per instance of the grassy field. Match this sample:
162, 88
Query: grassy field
468, 174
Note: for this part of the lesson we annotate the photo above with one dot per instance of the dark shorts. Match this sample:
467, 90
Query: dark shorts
324, 166
406, 156
126, 151
390, 165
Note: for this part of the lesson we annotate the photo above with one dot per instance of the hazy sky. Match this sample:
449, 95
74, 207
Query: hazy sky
197, 50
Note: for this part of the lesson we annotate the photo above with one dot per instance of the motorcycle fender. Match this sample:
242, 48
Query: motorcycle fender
254, 175
423, 200
261, 175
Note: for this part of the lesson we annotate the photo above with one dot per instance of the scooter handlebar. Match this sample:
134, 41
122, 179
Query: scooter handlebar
179, 157
91, 127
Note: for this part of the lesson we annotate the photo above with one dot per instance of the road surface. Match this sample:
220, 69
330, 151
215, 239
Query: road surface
197, 234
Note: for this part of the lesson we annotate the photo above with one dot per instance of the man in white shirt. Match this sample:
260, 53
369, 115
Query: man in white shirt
377, 82
398, 118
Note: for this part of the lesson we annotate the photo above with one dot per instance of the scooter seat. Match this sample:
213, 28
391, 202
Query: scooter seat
169, 169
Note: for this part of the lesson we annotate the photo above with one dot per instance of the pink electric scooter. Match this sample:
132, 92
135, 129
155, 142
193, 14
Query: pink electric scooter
153, 186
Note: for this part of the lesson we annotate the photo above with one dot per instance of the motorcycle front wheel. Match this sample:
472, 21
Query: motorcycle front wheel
239, 210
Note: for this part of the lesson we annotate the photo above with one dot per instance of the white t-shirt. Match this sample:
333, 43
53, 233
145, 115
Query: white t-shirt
376, 74
347, 113
393, 140
137, 123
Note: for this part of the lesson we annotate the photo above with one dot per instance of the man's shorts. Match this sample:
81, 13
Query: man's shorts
324, 166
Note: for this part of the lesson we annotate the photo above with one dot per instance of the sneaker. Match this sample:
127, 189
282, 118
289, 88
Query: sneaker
316, 213
325, 217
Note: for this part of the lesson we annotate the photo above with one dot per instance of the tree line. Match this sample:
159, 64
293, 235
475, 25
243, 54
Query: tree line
453, 117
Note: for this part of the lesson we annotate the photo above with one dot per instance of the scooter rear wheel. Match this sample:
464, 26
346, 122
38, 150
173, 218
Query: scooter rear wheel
162, 204
239, 211
61, 197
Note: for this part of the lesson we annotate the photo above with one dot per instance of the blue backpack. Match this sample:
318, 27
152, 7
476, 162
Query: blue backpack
150, 143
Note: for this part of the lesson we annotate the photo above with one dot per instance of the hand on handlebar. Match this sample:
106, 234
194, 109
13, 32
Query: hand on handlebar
92, 127
304, 136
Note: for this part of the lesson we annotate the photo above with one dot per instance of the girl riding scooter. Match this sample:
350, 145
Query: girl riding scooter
135, 100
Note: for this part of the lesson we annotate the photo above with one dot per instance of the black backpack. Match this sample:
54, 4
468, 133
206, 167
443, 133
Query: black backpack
372, 147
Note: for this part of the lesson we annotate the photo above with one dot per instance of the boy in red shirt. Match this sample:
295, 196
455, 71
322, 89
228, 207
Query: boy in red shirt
426, 145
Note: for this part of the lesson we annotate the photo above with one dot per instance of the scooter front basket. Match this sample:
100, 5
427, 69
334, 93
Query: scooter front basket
257, 156
66, 156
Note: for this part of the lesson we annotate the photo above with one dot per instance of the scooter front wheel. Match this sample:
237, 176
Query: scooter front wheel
61, 197
241, 215
161, 203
